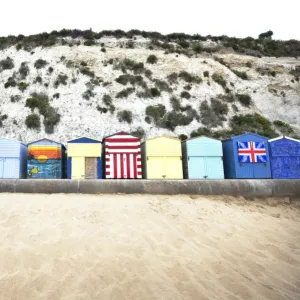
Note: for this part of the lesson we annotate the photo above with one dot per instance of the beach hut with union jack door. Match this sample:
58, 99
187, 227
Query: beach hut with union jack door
122, 156
45, 159
84, 158
13, 159
285, 157
162, 158
202, 158
246, 156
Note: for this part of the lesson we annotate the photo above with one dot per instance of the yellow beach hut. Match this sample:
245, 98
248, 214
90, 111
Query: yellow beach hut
84, 158
162, 158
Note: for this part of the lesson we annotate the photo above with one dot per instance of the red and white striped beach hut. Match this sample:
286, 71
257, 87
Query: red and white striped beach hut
122, 156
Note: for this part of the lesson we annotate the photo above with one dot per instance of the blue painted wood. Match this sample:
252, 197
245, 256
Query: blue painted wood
84, 140
99, 167
69, 168
235, 169
13, 159
285, 158
204, 157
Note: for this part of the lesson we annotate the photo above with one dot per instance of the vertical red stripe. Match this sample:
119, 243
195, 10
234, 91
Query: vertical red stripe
122, 164
134, 166
128, 165
115, 166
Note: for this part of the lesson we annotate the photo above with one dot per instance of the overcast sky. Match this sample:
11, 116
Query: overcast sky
238, 18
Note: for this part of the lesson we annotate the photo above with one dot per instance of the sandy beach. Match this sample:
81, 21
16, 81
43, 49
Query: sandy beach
148, 247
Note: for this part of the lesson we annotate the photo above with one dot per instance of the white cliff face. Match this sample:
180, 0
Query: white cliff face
276, 98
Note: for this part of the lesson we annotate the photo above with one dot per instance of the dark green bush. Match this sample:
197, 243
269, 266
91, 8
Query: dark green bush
219, 108
197, 48
175, 103
283, 127
22, 86
40, 63
38, 79
132, 79
15, 98
183, 137
131, 65
111, 108
173, 119
244, 99
107, 100
187, 87
273, 73
102, 110
183, 44
249, 64
11, 82
155, 112
23, 71
189, 77
200, 132
152, 59
242, 75
6, 64
139, 132
206, 74
172, 78
148, 119
86, 71
51, 119
50, 70
155, 92
125, 116
218, 78
88, 94
33, 121
125, 93
253, 123
56, 95
61, 79
103, 49
185, 94
162, 85
211, 115
2, 118
89, 43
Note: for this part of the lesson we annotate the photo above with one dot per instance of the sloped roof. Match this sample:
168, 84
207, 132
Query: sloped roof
283, 137
45, 139
82, 138
246, 133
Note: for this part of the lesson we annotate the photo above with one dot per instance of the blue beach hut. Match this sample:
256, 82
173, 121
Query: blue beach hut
246, 156
285, 158
202, 158
13, 159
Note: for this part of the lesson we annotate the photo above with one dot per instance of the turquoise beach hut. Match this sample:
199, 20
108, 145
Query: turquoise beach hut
202, 158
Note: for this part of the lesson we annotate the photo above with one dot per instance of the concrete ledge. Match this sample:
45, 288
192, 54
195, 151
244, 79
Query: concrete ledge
248, 188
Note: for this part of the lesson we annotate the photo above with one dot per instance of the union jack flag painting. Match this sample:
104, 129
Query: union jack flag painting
252, 152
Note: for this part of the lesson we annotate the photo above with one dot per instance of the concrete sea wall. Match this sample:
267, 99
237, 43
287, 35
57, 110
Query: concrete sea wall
247, 188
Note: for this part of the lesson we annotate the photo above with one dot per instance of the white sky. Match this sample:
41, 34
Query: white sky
238, 18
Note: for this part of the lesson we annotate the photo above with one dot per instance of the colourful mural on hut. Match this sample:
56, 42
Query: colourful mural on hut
45, 159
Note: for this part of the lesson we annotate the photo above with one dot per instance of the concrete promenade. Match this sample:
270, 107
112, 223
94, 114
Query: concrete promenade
242, 187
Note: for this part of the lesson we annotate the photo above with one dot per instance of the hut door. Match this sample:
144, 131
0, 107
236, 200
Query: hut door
156, 167
91, 167
197, 167
214, 167
173, 167
1, 167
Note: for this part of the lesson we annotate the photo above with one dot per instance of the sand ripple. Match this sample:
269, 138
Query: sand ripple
148, 247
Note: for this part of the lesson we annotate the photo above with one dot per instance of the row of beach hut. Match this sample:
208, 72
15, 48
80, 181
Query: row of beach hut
123, 156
